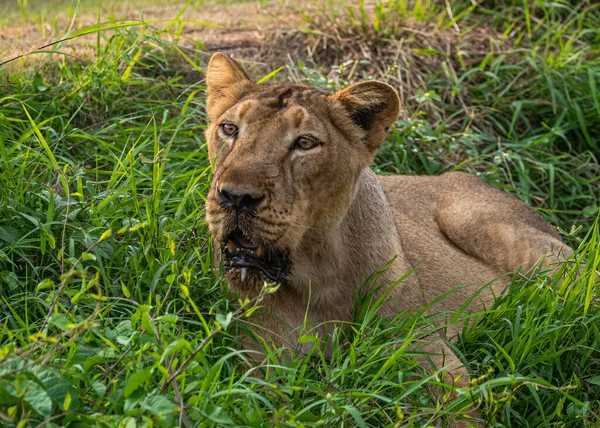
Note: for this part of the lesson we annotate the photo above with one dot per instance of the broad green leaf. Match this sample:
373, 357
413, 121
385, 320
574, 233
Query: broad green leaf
99, 388
60, 321
128, 423
217, 414
38, 399
58, 388
224, 320
137, 380
158, 404
7, 398
10, 279
175, 346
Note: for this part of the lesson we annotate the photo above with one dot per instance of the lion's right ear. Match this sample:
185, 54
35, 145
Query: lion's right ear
226, 82
372, 106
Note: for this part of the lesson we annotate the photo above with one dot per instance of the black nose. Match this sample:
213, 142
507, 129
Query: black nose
239, 199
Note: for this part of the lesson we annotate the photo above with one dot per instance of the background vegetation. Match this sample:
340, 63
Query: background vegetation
110, 311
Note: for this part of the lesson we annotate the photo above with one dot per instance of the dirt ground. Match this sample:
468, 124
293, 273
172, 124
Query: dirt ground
264, 37
247, 31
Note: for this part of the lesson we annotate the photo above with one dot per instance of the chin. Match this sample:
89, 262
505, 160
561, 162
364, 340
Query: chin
249, 263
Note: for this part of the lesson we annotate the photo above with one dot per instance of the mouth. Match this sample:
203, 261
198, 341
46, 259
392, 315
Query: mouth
240, 252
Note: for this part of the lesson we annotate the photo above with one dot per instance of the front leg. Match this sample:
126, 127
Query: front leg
496, 227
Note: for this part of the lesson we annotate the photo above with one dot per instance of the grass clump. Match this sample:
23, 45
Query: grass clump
544, 328
515, 70
111, 312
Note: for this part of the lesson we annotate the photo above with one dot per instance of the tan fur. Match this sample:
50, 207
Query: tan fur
340, 221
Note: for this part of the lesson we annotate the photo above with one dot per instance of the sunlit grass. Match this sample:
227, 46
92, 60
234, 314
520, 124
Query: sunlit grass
111, 312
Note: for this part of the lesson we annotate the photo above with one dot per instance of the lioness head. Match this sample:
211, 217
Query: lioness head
286, 160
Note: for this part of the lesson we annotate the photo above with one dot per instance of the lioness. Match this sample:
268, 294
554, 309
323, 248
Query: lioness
293, 201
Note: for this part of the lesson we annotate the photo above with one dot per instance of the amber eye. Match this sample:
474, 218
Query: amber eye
305, 143
228, 129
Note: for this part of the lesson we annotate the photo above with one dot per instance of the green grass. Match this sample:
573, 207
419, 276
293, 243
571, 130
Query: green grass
112, 315
518, 73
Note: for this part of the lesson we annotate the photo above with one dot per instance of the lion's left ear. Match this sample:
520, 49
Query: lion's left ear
373, 106
226, 82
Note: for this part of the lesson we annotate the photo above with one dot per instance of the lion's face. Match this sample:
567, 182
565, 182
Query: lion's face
286, 160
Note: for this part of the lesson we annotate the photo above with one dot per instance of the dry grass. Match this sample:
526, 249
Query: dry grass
267, 37
243, 30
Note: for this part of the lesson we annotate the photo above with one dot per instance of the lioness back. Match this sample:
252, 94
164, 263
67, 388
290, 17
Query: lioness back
457, 230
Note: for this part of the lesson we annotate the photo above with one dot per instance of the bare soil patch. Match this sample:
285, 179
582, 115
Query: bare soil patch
275, 35
247, 31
